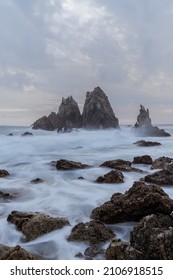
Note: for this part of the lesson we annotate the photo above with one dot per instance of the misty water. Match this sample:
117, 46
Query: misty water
62, 194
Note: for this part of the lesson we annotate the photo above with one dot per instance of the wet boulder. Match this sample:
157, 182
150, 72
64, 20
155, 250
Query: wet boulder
64, 164
146, 159
15, 253
34, 224
27, 133
5, 196
37, 181
162, 177
4, 173
161, 162
143, 143
120, 250
153, 236
93, 232
113, 176
140, 200
97, 111
118, 164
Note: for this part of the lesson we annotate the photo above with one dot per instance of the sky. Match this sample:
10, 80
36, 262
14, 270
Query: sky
51, 49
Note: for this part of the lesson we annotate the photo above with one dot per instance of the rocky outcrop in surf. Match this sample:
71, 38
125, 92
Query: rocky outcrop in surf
97, 114
144, 126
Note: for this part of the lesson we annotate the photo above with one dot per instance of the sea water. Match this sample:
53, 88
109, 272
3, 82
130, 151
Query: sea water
62, 194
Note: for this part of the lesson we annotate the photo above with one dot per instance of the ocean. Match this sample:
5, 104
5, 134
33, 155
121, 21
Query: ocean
62, 194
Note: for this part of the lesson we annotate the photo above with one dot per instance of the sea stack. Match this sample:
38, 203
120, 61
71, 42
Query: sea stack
97, 111
144, 127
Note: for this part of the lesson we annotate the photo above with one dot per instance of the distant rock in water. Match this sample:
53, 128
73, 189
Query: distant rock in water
144, 126
97, 111
68, 117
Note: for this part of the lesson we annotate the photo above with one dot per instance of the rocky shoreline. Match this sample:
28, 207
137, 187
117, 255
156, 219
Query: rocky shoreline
145, 203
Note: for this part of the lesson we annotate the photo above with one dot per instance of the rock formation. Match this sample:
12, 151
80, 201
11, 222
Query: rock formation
97, 111
144, 126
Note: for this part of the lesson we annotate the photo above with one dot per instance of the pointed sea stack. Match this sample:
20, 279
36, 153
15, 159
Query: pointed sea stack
144, 127
97, 111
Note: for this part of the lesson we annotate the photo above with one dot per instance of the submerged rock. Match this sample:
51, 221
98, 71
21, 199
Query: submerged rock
113, 176
143, 143
146, 159
144, 126
93, 232
153, 236
34, 224
120, 250
140, 200
15, 253
97, 111
37, 181
27, 134
64, 164
5, 195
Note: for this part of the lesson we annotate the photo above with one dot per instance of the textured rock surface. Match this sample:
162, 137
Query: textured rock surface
64, 164
140, 200
47, 123
113, 176
4, 173
146, 159
120, 164
162, 177
161, 162
143, 143
34, 224
97, 111
15, 253
93, 232
144, 127
120, 250
153, 236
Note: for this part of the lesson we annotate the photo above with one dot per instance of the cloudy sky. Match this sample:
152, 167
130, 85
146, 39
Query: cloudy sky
55, 48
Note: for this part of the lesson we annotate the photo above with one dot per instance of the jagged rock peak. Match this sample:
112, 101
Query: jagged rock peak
144, 125
97, 111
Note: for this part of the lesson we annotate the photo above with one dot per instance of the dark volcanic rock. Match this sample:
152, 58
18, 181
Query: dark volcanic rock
37, 181
113, 176
146, 159
162, 177
97, 111
120, 250
153, 236
27, 134
161, 162
4, 173
15, 253
34, 224
64, 164
143, 143
120, 164
144, 127
93, 232
140, 200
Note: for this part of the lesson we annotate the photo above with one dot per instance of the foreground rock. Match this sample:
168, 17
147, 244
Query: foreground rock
120, 164
140, 200
162, 177
111, 177
97, 111
120, 250
4, 173
161, 162
146, 159
64, 164
15, 253
34, 224
93, 232
143, 143
153, 236
144, 126
5, 196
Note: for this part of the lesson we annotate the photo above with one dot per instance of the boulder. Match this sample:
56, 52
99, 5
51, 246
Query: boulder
97, 111
120, 250
4, 173
143, 143
140, 200
93, 232
113, 176
120, 164
153, 236
34, 224
27, 133
47, 123
37, 181
15, 253
162, 177
161, 162
5, 195
64, 164
146, 159
144, 126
